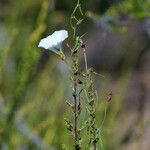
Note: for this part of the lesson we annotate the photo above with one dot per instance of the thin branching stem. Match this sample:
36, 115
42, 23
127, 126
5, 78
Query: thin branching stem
73, 17
76, 101
75, 110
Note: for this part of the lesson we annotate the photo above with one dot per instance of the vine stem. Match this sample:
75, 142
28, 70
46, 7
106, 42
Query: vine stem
75, 111
74, 70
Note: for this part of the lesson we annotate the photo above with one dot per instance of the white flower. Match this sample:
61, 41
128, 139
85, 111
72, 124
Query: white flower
54, 42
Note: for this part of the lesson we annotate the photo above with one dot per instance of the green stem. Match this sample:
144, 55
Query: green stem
75, 68
75, 113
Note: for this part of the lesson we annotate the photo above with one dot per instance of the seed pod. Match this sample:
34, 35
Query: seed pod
82, 45
79, 81
109, 96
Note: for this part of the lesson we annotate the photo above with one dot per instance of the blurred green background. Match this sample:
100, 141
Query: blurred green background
34, 83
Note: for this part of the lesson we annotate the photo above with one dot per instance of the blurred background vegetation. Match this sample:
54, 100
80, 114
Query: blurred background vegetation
33, 82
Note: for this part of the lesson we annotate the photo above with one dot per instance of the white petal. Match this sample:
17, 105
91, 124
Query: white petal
54, 42
44, 43
60, 35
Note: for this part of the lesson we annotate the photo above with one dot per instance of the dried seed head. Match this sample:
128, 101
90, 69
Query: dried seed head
79, 81
82, 45
109, 96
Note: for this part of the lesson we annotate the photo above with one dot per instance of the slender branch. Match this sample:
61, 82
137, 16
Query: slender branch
78, 6
75, 111
75, 69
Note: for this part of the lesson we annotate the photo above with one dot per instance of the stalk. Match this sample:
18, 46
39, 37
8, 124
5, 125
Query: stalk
75, 114
75, 70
